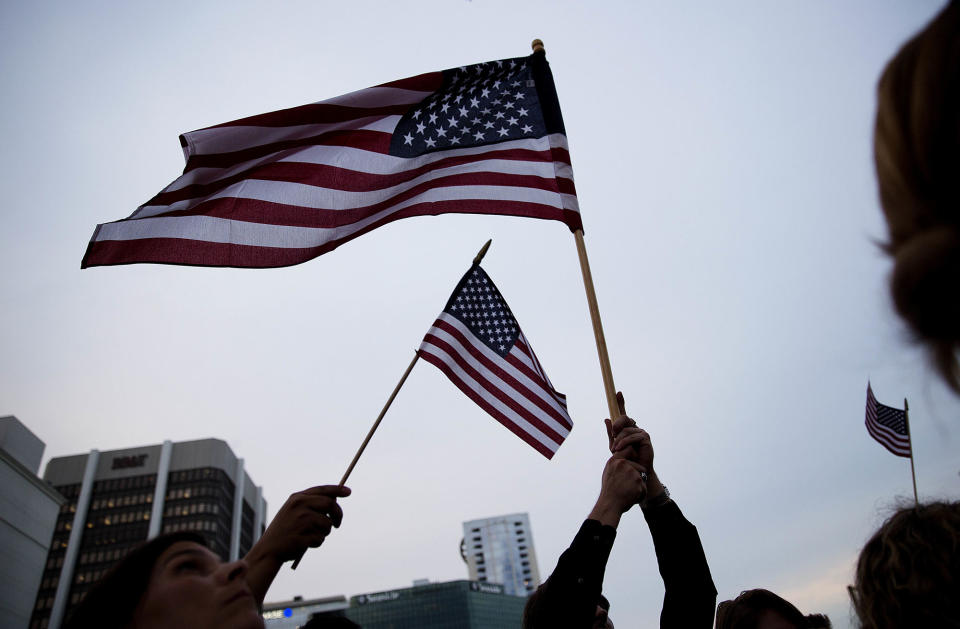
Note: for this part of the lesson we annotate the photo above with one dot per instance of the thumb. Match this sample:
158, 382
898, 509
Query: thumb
621, 404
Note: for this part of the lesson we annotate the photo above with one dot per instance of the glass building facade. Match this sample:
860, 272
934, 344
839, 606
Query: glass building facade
450, 605
116, 500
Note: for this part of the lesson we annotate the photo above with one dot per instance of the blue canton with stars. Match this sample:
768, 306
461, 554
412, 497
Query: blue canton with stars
892, 418
481, 104
478, 304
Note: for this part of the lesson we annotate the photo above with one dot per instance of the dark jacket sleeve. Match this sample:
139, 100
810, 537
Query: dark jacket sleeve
690, 596
569, 597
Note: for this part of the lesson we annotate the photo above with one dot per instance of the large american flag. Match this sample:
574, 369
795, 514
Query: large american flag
284, 187
887, 425
477, 342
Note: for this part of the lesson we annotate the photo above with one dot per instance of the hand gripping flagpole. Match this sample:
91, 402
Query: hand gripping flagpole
913, 473
376, 424
605, 371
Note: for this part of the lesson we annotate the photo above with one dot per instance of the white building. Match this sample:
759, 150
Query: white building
28, 514
500, 550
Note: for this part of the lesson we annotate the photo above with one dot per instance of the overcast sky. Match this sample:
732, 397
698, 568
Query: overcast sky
722, 155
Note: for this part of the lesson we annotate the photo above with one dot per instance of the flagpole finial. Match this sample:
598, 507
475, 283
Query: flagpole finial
483, 252
537, 46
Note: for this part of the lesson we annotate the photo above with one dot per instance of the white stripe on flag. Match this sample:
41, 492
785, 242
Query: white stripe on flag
226, 139
488, 397
214, 229
306, 195
535, 387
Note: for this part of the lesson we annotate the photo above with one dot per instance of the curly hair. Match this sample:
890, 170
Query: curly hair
907, 573
917, 154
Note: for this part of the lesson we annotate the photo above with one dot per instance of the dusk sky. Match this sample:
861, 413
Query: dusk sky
723, 160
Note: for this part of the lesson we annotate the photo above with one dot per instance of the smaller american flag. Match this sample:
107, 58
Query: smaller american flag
888, 425
478, 344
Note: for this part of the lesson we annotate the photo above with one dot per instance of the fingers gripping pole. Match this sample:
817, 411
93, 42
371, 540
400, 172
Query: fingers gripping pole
373, 429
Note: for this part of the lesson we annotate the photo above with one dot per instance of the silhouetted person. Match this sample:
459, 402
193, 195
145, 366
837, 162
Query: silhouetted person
908, 574
329, 621
175, 581
917, 153
571, 597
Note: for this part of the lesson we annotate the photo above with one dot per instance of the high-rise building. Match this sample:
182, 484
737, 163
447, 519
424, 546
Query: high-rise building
28, 513
500, 550
118, 499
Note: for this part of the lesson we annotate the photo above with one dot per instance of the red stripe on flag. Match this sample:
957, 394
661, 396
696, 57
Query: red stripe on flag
252, 210
894, 446
215, 254
482, 403
492, 389
267, 213
365, 139
538, 372
314, 113
427, 82
498, 371
336, 178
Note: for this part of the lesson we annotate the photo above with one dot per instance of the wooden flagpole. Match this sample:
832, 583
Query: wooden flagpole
373, 429
913, 473
609, 388
366, 440
396, 389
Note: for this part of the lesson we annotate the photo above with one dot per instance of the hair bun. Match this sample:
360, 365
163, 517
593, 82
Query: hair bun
926, 283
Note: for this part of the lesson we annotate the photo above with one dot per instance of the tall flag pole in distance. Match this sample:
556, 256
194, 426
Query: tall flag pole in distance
477, 342
605, 371
891, 428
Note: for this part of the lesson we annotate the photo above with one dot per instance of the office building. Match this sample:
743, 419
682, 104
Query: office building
296, 613
28, 514
118, 499
500, 550
450, 605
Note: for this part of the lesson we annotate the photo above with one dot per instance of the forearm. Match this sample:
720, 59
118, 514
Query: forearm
569, 597
262, 569
606, 513
690, 595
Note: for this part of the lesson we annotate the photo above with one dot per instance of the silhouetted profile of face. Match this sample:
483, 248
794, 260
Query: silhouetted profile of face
191, 588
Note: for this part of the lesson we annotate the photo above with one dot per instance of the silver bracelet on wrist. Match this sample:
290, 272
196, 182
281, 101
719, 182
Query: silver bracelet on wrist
657, 501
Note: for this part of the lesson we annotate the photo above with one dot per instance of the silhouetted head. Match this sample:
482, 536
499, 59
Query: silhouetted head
329, 621
762, 609
917, 153
170, 581
907, 574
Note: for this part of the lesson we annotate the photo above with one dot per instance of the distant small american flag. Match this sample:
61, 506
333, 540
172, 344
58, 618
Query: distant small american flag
477, 343
281, 188
887, 425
